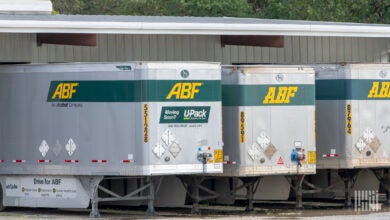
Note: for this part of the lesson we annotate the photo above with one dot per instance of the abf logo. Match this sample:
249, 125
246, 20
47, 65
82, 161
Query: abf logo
64, 90
185, 90
379, 90
280, 95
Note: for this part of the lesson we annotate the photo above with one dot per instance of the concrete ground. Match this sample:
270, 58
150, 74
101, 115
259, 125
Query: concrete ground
278, 211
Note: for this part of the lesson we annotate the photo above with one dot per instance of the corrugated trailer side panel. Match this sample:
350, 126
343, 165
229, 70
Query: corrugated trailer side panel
110, 119
352, 116
268, 113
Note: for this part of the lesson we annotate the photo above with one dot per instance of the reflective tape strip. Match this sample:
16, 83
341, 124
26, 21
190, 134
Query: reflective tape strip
99, 161
44, 161
2, 161
18, 161
229, 162
125, 161
330, 155
71, 161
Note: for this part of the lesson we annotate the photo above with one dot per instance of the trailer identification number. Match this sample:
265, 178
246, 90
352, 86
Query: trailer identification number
146, 123
242, 127
280, 95
348, 116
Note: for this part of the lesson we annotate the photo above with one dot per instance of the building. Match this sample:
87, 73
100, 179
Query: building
56, 38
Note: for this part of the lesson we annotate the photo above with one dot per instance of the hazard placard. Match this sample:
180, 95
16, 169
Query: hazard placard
280, 161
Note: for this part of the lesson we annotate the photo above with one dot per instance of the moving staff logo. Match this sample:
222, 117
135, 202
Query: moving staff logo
184, 114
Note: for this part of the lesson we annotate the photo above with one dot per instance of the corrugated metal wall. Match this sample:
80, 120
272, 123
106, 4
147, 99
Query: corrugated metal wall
298, 50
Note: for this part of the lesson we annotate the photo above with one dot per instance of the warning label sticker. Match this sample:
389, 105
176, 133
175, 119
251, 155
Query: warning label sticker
280, 161
311, 157
218, 156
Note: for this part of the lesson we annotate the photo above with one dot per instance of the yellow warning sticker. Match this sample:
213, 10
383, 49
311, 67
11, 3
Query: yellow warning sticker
218, 156
242, 127
348, 116
311, 157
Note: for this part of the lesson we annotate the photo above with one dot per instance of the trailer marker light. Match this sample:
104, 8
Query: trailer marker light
99, 161
2, 161
330, 155
71, 161
18, 161
125, 161
44, 161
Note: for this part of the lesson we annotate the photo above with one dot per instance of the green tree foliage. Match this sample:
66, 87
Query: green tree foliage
369, 11
233, 8
68, 6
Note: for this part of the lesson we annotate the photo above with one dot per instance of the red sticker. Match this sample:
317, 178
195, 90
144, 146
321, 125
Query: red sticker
280, 161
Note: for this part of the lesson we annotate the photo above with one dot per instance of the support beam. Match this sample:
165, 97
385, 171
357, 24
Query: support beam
297, 181
91, 184
250, 184
383, 175
349, 178
386, 184
151, 211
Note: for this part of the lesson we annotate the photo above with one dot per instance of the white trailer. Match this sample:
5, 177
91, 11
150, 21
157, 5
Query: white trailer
268, 129
65, 127
353, 124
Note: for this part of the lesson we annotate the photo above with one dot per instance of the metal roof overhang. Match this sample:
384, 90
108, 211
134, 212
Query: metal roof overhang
185, 26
